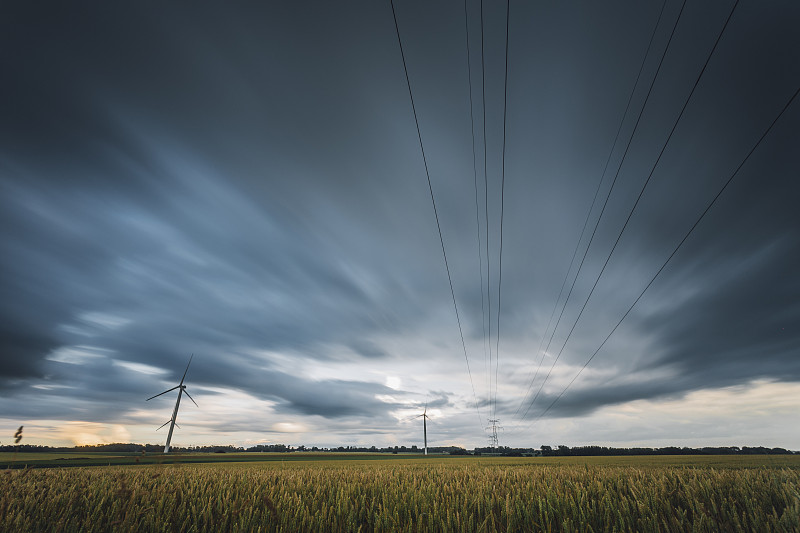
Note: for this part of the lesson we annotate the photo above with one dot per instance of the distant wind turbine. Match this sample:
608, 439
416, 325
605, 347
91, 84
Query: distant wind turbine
181, 389
425, 418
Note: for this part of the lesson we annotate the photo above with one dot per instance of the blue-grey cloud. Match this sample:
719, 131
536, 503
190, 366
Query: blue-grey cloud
245, 183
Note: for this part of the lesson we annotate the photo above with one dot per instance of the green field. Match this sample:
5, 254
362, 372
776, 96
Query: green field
331, 492
64, 459
47, 460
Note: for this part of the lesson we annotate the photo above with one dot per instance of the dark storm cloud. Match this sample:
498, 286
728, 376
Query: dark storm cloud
98, 385
742, 324
439, 399
111, 221
170, 305
722, 313
738, 264
246, 184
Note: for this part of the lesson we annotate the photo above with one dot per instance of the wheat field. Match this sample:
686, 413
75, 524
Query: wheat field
402, 495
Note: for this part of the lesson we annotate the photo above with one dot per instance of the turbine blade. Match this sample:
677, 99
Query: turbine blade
190, 397
164, 424
187, 369
160, 393
177, 426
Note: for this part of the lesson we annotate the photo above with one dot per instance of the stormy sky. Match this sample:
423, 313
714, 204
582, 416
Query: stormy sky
244, 182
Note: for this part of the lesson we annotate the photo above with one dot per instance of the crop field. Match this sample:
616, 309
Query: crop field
411, 494
45, 460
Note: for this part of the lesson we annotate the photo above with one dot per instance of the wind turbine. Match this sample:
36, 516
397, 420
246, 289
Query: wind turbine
181, 389
425, 418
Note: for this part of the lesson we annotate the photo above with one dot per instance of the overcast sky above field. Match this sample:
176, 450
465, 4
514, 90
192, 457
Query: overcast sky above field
246, 184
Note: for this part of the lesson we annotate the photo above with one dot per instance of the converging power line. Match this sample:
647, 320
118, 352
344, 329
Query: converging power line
435, 211
674, 251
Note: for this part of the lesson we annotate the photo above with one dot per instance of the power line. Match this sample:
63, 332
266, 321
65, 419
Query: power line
602, 211
435, 211
475, 176
675, 251
591, 207
502, 210
647, 181
486, 209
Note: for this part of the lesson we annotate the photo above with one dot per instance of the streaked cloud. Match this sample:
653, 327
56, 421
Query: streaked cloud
245, 184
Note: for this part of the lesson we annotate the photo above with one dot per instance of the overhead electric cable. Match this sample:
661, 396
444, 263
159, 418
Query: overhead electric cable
647, 181
486, 211
605, 204
502, 209
591, 207
435, 211
475, 179
675, 251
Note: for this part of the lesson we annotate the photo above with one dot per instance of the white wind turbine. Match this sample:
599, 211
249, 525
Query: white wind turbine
181, 389
425, 418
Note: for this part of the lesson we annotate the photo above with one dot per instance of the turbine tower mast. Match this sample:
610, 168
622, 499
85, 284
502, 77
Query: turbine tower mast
181, 389
425, 418
425, 429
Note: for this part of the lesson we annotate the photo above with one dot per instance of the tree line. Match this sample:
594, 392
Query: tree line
544, 450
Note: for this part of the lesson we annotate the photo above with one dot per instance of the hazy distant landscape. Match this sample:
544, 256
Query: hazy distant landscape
44, 456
